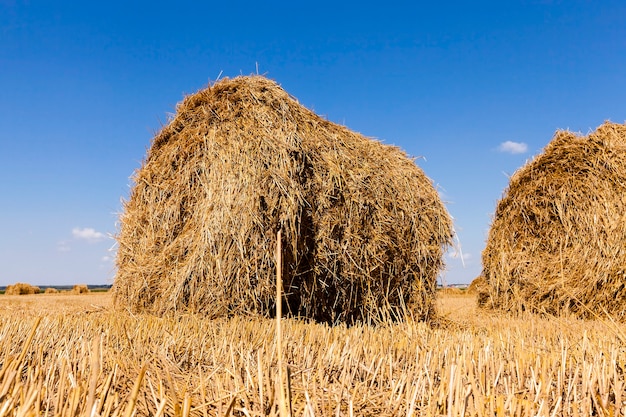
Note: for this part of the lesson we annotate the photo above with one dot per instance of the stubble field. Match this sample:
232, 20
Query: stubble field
74, 355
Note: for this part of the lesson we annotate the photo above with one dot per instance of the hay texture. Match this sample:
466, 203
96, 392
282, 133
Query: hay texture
557, 244
21, 288
363, 228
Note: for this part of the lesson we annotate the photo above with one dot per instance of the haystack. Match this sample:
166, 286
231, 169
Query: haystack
21, 288
557, 244
477, 285
80, 289
451, 291
363, 228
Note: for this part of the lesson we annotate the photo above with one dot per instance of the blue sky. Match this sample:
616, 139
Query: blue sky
475, 88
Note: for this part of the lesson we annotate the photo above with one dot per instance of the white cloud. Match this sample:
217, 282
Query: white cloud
459, 255
63, 246
513, 147
88, 234
106, 262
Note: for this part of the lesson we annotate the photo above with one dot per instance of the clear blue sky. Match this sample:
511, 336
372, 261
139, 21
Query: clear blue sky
476, 88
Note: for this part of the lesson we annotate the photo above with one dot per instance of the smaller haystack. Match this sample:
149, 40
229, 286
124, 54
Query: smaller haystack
364, 230
21, 288
80, 289
450, 291
557, 244
477, 285
51, 290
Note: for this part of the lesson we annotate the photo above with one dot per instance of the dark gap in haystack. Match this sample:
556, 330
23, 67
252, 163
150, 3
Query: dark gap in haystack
364, 230
303, 271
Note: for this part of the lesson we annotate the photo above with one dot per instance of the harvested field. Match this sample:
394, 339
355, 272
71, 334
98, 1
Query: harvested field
86, 356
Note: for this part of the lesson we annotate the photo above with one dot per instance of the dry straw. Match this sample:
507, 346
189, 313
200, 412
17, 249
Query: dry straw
363, 228
557, 244
21, 288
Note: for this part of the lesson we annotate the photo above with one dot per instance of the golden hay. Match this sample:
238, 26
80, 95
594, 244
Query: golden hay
21, 288
80, 289
363, 228
557, 244
51, 290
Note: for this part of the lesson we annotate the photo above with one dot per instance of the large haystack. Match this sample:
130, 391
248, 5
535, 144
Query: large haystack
363, 228
558, 240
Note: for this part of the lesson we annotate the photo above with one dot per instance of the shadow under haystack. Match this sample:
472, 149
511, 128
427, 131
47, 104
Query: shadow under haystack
364, 230
557, 244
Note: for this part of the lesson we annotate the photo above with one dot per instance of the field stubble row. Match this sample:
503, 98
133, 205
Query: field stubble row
73, 355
